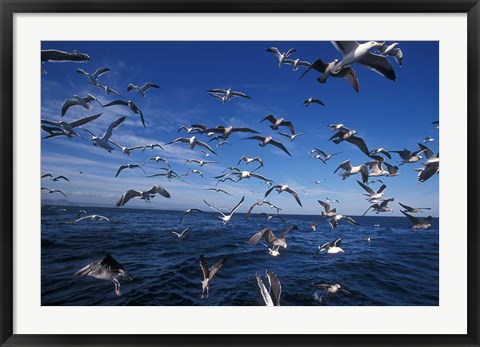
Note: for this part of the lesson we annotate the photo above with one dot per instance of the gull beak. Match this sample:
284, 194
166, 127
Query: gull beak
378, 44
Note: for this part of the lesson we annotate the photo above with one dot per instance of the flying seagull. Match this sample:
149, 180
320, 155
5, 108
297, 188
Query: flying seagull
93, 217
225, 132
92, 78
225, 217
312, 100
106, 269
409, 157
251, 160
124, 149
77, 100
103, 141
332, 288
192, 141
297, 63
182, 234
157, 159
218, 190
273, 242
278, 122
291, 136
187, 212
329, 211
380, 150
51, 191
339, 217
129, 166
268, 140
131, 105
143, 88
353, 52
372, 194
330, 247
208, 273
349, 170
281, 56
284, 188
271, 296
382, 207
325, 155
145, 195
226, 94
417, 224
107, 89
326, 70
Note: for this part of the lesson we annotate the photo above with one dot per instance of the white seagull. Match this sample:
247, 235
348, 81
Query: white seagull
225, 217
106, 269
192, 142
281, 56
182, 234
330, 247
92, 78
226, 94
353, 52
284, 188
208, 273
326, 70
77, 100
349, 170
145, 195
103, 141
143, 88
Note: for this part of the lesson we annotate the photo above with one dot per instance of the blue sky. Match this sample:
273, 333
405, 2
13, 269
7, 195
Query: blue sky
389, 114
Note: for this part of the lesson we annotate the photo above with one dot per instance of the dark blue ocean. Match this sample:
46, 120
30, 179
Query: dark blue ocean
398, 267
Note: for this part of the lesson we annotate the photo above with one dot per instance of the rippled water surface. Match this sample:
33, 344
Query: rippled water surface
397, 267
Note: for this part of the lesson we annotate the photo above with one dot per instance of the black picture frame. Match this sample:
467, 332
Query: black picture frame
11, 7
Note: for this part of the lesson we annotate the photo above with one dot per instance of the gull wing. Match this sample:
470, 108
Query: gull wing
428, 152
289, 125
214, 269
216, 96
100, 72
62, 177
149, 85
120, 169
385, 202
379, 64
238, 205
290, 51
275, 287
318, 65
367, 188
333, 223
295, 195
244, 130
345, 165
345, 47
129, 194
184, 231
113, 125
325, 205
428, 219
336, 243
270, 190
279, 145
51, 122
350, 220
92, 269
274, 50
382, 188
259, 176
260, 138
84, 120
67, 104
263, 290
350, 75
243, 95
159, 190
221, 91
58, 191
408, 208
180, 139
257, 236
427, 172
204, 266
270, 118
284, 234
213, 207
414, 220
203, 144
360, 143
116, 102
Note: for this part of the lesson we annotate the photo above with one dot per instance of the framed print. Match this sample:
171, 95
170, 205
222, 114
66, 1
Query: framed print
172, 168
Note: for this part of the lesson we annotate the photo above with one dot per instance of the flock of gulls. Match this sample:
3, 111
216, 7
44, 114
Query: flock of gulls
374, 55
